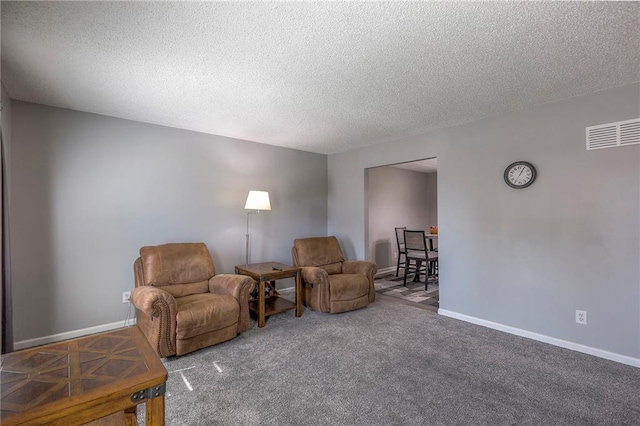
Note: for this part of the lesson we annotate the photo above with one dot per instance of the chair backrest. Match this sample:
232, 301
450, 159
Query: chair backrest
415, 240
180, 268
323, 252
400, 238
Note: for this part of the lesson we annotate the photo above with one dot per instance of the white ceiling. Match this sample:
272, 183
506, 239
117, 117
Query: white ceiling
321, 77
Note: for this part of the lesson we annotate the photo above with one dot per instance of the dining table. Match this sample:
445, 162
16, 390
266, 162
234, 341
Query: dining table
432, 238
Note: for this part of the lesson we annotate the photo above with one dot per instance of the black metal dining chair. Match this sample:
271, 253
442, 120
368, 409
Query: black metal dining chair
401, 250
417, 251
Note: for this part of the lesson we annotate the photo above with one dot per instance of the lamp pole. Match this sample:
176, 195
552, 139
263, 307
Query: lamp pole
246, 258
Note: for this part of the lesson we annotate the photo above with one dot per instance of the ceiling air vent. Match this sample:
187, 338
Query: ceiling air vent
610, 135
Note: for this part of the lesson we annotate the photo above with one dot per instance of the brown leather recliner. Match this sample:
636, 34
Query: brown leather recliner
181, 304
329, 282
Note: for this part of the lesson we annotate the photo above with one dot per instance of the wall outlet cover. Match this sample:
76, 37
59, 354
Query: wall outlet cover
581, 317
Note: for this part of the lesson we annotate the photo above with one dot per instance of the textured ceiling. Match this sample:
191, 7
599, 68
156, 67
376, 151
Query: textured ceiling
320, 77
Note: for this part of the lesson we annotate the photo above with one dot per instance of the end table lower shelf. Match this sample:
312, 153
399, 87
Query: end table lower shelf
273, 305
271, 272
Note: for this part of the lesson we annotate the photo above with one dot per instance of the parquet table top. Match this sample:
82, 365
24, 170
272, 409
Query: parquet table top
56, 380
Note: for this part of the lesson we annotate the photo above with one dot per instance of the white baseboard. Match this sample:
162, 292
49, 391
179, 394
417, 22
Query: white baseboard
286, 290
386, 270
23, 344
623, 359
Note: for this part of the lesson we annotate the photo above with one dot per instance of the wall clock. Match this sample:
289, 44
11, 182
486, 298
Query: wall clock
520, 174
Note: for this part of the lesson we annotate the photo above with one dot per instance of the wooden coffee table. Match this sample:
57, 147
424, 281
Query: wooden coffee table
84, 379
270, 272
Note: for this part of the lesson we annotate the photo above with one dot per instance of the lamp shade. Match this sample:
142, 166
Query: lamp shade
258, 200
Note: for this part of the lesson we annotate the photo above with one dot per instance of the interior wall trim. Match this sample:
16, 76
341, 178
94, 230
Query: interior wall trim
24, 344
387, 270
612, 356
29, 343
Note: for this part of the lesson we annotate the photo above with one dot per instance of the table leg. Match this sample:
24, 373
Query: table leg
261, 303
298, 295
130, 418
155, 411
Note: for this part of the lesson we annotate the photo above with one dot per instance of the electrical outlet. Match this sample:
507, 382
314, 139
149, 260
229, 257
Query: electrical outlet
581, 317
125, 296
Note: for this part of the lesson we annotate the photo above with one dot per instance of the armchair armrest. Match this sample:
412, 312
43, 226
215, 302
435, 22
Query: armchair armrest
315, 288
154, 301
368, 269
314, 275
159, 322
238, 286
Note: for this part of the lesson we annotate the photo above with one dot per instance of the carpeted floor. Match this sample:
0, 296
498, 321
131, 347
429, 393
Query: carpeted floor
390, 285
392, 363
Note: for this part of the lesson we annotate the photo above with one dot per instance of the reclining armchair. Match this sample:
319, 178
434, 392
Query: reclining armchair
181, 304
329, 282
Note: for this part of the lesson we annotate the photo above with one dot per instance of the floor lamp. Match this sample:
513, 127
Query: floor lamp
256, 201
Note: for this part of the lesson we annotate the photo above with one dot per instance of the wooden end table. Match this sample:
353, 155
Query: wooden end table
270, 272
80, 380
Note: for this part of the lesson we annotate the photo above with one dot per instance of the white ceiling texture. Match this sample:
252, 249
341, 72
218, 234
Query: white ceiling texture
324, 77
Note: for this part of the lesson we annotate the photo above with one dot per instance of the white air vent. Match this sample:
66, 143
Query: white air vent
609, 135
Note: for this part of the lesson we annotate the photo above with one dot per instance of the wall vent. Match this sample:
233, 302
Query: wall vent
610, 135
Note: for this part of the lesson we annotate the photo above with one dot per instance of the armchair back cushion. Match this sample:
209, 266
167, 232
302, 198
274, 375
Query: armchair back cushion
323, 252
181, 269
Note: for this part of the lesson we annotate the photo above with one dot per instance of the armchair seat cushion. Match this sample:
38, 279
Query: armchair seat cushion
345, 287
202, 313
182, 290
333, 268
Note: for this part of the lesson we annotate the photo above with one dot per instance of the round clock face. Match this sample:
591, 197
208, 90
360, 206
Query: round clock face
519, 174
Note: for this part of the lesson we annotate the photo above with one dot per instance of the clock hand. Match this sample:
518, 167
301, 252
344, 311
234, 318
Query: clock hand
521, 170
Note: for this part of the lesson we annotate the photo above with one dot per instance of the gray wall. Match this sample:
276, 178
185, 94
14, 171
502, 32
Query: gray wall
432, 204
526, 258
395, 198
5, 127
6, 131
89, 191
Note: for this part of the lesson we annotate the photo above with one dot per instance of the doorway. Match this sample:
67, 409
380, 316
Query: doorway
399, 195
